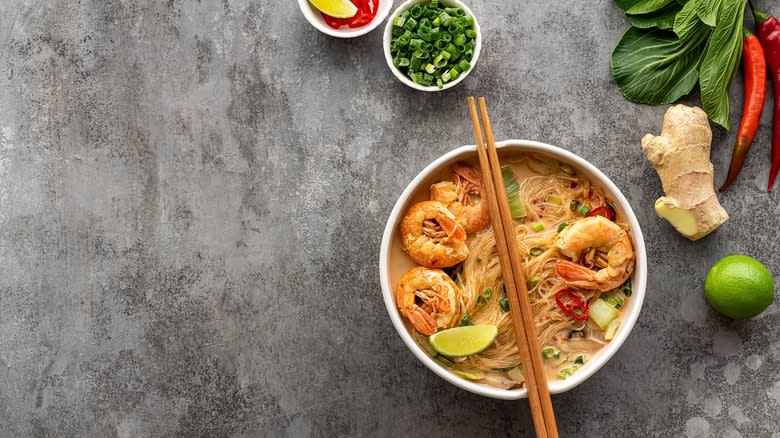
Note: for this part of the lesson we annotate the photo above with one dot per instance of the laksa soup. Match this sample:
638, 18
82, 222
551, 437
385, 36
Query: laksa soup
578, 259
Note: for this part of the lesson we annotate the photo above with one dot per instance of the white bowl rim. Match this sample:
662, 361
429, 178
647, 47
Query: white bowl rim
639, 282
314, 17
388, 36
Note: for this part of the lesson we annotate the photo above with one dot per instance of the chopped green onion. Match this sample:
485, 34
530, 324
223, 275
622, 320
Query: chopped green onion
626, 288
504, 302
580, 359
484, 297
562, 226
574, 205
616, 298
552, 199
440, 61
465, 320
550, 353
566, 372
431, 30
512, 187
584, 210
479, 260
536, 251
537, 226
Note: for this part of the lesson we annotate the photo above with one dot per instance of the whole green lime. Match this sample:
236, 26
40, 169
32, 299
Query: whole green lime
739, 287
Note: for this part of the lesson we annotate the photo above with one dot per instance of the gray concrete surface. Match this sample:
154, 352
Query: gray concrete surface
192, 195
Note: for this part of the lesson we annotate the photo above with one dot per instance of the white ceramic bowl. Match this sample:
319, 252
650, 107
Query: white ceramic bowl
391, 248
315, 18
389, 36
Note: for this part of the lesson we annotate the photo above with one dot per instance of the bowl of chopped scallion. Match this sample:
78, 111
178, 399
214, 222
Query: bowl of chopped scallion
432, 45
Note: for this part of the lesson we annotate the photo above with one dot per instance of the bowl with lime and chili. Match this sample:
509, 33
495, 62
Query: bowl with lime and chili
359, 18
432, 45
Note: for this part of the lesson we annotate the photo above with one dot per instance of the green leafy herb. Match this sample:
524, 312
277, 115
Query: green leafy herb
673, 45
721, 61
708, 10
504, 302
662, 18
653, 66
642, 6
687, 22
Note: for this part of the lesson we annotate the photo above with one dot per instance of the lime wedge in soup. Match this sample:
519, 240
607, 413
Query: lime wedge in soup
336, 8
463, 341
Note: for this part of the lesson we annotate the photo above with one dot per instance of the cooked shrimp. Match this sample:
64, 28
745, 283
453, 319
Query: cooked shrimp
460, 196
432, 236
428, 298
586, 241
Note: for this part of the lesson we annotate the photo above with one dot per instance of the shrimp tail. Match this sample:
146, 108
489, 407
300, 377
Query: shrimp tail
420, 319
451, 226
468, 173
576, 275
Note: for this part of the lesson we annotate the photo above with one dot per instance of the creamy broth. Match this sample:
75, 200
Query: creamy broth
566, 345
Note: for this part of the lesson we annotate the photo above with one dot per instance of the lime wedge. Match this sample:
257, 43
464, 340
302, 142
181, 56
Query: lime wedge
463, 341
336, 8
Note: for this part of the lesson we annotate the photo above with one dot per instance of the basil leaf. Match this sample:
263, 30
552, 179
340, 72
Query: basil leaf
653, 66
687, 21
708, 11
641, 6
721, 61
662, 18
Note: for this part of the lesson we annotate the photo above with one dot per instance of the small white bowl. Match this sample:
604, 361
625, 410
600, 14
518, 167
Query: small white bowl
389, 37
391, 249
315, 18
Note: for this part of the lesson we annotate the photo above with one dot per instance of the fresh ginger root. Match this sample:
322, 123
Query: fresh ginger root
681, 156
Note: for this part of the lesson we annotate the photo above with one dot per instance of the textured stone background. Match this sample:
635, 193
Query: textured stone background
192, 196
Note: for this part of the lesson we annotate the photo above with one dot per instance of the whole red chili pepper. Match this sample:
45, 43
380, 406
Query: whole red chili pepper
755, 92
769, 34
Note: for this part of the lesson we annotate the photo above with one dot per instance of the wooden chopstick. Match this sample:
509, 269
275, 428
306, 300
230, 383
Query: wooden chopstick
514, 276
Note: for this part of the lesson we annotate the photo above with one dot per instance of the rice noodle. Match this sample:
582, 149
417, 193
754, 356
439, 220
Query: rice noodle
547, 201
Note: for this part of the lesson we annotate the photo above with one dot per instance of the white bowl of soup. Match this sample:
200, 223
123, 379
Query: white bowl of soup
585, 264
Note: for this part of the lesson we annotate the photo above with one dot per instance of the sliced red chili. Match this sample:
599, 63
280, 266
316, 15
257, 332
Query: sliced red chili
360, 19
333, 21
604, 210
366, 12
571, 305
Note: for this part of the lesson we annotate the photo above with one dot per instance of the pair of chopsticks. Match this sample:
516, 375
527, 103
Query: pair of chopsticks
514, 276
